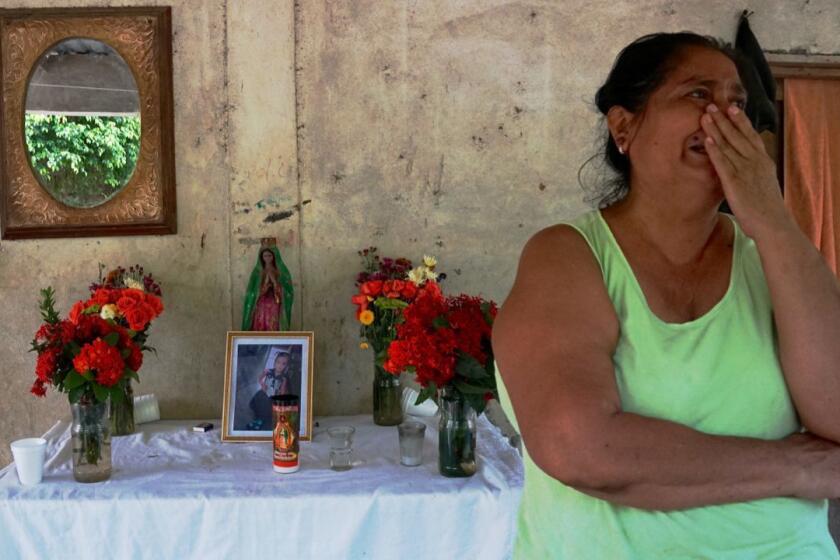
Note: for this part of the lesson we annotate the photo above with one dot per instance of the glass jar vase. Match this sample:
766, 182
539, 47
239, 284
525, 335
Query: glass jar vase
91, 438
387, 398
456, 437
122, 413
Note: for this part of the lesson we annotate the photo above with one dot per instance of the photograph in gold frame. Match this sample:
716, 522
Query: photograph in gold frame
142, 37
259, 365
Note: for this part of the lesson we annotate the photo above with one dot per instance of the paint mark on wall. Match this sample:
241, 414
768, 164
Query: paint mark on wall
285, 214
266, 202
277, 216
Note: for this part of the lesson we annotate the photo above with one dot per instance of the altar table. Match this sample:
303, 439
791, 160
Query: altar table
179, 494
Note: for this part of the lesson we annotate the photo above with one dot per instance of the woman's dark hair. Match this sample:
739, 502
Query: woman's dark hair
639, 69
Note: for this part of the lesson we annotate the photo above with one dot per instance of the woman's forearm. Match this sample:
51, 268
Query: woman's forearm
806, 307
655, 464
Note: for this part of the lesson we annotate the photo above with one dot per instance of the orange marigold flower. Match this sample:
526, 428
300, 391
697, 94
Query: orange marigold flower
366, 317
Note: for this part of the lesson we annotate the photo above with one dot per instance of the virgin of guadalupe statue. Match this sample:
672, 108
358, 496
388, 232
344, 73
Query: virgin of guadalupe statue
269, 297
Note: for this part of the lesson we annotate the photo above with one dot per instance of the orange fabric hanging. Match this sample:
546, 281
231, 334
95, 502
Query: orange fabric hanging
812, 161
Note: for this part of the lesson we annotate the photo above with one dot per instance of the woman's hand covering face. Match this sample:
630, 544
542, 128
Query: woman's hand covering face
747, 174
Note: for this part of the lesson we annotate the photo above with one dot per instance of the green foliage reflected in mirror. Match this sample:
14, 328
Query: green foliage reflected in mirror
82, 122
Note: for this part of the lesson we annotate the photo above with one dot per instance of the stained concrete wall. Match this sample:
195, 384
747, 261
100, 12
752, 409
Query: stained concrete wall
451, 128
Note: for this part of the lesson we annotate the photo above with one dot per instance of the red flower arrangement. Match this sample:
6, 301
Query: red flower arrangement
95, 351
445, 342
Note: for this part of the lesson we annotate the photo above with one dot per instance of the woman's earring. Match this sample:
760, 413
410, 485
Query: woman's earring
621, 150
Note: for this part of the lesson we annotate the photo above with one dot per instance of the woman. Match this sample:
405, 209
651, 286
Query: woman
660, 358
268, 300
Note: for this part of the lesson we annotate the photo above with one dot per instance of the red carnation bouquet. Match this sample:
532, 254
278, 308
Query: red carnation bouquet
445, 342
98, 349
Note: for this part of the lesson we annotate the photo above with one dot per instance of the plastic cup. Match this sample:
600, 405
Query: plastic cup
29, 454
341, 447
412, 435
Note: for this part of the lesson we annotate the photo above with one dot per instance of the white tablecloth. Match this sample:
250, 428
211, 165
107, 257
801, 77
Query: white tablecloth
179, 494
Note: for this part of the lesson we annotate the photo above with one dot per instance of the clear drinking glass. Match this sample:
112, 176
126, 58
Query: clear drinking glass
412, 435
341, 447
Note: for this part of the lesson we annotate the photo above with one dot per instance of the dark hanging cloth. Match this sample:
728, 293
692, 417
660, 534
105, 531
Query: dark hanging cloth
757, 79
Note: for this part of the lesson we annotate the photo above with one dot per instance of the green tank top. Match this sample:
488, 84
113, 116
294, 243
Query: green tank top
719, 374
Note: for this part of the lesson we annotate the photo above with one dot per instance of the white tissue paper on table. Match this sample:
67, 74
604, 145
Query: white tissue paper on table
426, 408
146, 409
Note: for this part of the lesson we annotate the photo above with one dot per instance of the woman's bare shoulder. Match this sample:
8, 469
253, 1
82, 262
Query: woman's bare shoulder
560, 248
559, 289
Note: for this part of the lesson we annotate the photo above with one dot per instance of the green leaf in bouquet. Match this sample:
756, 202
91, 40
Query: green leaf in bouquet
125, 353
477, 402
75, 349
469, 367
428, 392
470, 389
112, 338
91, 309
73, 380
117, 394
440, 322
389, 303
47, 305
490, 367
76, 394
100, 392
131, 374
485, 309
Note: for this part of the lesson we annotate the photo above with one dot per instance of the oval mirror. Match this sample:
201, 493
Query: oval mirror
82, 122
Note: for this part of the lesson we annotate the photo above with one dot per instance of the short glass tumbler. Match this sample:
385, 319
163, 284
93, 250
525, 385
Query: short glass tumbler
412, 435
341, 447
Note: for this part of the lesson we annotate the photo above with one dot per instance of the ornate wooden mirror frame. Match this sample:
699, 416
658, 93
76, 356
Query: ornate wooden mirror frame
143, 37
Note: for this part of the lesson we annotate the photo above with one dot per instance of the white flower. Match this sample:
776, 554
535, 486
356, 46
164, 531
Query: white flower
429, 261
133, 284
416, 275
431, 275
109, 311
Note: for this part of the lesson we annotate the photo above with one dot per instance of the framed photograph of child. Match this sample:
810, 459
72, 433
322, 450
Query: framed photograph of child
258, 366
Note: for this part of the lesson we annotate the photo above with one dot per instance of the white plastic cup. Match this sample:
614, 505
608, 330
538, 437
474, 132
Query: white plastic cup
29, 455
